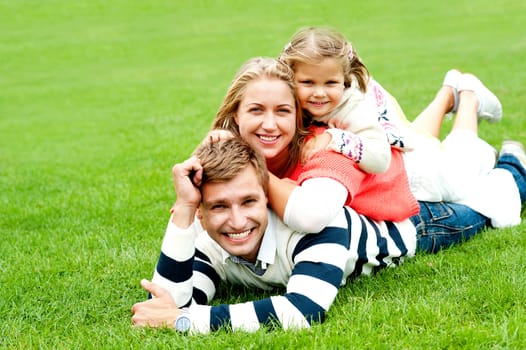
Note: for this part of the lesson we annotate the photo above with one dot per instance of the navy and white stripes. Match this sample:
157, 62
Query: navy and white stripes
311, 267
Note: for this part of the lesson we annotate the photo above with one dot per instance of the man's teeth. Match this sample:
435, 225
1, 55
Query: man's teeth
240, 235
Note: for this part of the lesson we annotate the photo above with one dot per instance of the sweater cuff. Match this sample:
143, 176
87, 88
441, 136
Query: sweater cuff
346, 143
200, 318
178, 243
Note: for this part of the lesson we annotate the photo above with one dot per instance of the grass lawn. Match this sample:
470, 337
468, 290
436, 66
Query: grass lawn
100, 98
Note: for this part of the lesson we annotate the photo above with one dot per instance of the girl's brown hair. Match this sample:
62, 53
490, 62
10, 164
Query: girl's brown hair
313, 44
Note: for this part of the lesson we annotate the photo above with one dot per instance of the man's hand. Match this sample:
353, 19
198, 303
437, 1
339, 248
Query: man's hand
187, 176
160, 311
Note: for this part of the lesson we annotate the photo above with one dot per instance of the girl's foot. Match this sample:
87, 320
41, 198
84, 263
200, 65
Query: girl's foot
452, 79
489, 108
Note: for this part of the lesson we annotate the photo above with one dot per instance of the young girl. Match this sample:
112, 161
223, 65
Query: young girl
324, 64
331, 82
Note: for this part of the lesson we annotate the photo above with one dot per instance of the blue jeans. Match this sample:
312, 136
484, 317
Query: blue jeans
441, 224
513, 165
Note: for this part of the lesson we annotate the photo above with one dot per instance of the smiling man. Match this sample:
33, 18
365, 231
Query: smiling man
225, 185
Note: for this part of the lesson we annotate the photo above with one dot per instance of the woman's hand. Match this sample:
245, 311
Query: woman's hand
217, 135
316, 143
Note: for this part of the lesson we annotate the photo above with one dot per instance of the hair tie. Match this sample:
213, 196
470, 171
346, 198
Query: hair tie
287, 46
351, 54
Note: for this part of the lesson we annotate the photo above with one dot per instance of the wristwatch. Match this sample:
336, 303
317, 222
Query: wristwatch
182, 322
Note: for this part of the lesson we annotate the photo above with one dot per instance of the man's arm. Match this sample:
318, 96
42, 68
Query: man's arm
319, 261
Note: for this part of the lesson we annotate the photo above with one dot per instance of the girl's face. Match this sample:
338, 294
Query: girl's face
266, 117
319, 86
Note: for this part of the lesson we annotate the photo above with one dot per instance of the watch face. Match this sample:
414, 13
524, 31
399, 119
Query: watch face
182, 324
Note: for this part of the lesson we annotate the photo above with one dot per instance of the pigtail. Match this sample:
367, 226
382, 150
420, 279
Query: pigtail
356, 70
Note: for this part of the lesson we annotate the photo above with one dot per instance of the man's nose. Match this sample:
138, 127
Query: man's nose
238, 218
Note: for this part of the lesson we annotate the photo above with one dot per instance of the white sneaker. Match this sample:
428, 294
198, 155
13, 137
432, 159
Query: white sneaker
452, 78
514, 148
490, 108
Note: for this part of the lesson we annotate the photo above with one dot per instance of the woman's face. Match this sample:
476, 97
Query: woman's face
266, 117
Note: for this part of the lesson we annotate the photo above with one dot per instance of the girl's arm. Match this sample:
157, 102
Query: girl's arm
367, 143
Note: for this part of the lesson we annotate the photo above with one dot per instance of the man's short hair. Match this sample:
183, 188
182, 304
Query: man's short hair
225, 159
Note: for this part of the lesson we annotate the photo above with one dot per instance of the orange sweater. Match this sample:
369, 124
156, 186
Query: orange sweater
384, 196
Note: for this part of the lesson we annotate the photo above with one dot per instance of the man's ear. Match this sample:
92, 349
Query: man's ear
199, 217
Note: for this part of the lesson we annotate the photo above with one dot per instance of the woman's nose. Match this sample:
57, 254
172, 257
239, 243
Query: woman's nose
269, 121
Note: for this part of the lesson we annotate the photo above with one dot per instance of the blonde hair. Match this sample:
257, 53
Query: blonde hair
223, 160
256, 69
313, 44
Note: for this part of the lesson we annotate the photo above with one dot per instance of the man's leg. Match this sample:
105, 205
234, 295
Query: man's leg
440, 225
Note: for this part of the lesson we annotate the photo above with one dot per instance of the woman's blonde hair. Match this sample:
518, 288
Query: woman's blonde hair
256, 69
313, 44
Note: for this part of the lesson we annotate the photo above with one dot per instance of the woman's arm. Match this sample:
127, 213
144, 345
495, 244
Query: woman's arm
309, 207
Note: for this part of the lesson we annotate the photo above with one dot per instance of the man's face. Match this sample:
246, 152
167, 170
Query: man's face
235, 213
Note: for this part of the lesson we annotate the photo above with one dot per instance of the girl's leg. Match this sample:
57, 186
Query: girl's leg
466, 118
445, 101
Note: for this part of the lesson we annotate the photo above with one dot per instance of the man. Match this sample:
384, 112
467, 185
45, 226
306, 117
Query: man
225, 185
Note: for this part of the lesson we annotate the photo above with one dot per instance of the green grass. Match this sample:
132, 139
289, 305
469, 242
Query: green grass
99, 99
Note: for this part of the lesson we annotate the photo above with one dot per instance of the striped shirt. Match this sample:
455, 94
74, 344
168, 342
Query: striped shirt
311, 266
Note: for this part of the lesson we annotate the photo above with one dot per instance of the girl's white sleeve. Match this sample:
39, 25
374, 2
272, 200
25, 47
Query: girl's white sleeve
313, 205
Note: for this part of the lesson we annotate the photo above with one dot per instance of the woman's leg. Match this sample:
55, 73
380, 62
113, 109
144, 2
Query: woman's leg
441, 224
